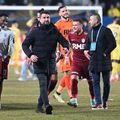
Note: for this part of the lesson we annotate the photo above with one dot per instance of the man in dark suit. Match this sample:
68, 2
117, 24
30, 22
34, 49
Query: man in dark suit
99, 45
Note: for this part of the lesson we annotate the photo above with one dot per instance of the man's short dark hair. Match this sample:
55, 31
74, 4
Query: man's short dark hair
79, 20
61, 7
116, 20
5, 17
3, 14
97, 16
42, 11
14, 21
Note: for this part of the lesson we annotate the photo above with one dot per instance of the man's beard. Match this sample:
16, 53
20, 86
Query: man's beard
66, 18
45, 25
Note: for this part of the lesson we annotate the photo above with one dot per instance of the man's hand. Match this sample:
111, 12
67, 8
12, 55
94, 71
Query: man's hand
86, 52
34, 58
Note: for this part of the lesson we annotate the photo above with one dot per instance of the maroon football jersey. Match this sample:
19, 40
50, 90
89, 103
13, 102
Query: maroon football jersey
77, 43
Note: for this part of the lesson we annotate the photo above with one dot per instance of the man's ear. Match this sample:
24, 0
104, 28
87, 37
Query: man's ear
59, 13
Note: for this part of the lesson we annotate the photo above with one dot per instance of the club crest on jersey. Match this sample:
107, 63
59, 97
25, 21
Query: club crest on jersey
83, 40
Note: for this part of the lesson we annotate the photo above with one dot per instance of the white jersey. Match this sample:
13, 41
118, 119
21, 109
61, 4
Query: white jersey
6, 42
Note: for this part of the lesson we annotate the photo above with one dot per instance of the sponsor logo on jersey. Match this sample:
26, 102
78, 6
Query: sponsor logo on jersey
66, 31
78, 46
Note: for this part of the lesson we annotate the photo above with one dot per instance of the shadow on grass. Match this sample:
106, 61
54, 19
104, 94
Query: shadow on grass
63, 109
18, 106
84, 111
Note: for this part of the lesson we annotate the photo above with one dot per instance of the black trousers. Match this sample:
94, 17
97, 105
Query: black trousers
1, 82
44, 81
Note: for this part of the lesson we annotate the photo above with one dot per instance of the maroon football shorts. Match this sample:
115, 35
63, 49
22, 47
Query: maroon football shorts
81, 69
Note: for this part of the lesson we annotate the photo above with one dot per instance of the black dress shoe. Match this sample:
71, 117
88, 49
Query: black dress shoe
105, 105
49, 109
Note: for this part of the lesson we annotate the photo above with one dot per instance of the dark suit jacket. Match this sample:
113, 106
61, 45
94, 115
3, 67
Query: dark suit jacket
105, 44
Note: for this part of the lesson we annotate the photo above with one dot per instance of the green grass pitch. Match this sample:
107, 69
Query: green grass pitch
19, 101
